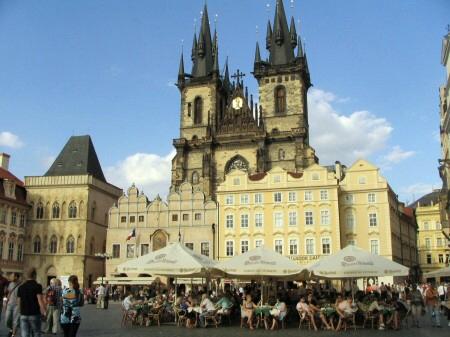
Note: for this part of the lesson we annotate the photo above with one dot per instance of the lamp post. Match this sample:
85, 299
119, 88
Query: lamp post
104, 257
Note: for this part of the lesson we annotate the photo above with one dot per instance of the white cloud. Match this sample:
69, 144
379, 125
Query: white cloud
150, 172
413, 192
395, 156
9, 139
336, 136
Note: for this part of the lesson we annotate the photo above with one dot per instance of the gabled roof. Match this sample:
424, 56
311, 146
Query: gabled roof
78, 157
5, 174
426, 200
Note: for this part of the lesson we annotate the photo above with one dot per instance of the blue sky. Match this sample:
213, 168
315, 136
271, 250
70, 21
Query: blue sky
106, 68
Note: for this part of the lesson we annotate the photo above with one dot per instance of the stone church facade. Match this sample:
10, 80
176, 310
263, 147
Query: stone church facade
220, 125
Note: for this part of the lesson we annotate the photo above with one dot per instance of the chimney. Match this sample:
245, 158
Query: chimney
338, 170
4, 161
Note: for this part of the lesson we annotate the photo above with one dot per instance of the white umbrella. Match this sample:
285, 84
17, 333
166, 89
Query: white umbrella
261, 262
353, 262
444, 272
173, 260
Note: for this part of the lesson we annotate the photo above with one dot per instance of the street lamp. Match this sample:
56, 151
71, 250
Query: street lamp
104, 257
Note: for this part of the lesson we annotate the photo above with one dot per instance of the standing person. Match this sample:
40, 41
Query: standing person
72, 300
442, 291
432, 303
12, 315
101, 297
31, 304
3, 286
106, 296
53, 298
417, 304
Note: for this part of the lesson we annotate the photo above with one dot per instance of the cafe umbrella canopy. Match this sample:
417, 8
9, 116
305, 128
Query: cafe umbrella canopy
353, 262
174, 260
443, 272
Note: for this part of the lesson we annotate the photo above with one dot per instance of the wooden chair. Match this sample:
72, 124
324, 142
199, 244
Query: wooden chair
155, 316
244, 317
349, 322
225, 314
305, 320
180, 316
282, 321
128, 317
211, 317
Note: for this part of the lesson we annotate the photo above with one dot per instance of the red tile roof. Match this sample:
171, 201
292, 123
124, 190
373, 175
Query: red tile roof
295, 174
257, 176
5, 174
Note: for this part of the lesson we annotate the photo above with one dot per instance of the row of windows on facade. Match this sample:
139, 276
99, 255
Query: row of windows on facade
53, 245
440, 242
131, 249
293, 246
258, 198
362, 180
279, 98
141, 218
14, 218
13, 255
56, 211
278, 219
427, 225
441, 258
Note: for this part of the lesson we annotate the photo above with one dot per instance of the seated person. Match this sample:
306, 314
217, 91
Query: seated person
376, 308
312, 303
128, 304
248, 308
305, 311
399, 310
191, 315
224, 304
278, 312
345, 310
207, 307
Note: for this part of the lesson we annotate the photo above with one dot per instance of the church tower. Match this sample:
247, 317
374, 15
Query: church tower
203, 98
283, 80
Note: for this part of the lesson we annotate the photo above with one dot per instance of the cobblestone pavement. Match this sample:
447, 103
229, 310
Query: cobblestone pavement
99, 323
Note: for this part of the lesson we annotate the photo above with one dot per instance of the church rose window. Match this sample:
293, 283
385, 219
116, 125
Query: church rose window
280, 99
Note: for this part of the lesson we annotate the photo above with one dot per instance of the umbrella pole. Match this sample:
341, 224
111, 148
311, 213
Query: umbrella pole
175, 300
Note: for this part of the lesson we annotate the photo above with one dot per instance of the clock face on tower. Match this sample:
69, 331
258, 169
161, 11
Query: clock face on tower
237, 103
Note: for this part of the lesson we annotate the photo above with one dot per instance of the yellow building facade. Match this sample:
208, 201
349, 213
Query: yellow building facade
69, 214
187, 216
432, 244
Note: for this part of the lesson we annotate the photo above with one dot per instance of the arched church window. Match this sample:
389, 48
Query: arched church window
40, 211
236, 163
70, 245
195, 178
280, 99
53, 245
281, 154
198, 110
55, 211
37, 245
72, 210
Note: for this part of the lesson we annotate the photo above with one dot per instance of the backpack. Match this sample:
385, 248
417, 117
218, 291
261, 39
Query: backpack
51, 297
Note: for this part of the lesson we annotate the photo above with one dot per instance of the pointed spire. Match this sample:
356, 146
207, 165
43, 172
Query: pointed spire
216, 62
181, 68
293, 33
226, 75
268, 35
214, 45
204, 56
194, 48
257, 54
300, 48
281, 50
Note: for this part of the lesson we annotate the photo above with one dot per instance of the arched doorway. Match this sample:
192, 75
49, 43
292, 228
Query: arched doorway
159, 240
51, 273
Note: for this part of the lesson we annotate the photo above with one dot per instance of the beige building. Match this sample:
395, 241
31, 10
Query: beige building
314, 213
295, 214
187, 216
372, 217
69, 214
444, 168
432, 244
13, 218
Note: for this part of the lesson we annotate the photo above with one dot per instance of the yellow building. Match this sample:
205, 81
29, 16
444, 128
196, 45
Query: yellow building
295, 214
68, 220
314, 213
13, 218
432, 244
187, 216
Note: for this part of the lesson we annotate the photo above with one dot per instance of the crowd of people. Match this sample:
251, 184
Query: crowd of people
28, 304
317, 305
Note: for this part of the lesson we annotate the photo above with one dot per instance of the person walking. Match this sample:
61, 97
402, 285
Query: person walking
106, 296
72, 300
417, 304
100, 297
53, 298
3, 285
432, 303
31, 304
442, 291
12, 315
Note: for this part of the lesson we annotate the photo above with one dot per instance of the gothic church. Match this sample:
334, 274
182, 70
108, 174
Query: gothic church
221, 128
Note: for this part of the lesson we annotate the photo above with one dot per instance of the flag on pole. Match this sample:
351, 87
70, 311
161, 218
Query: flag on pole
132, 234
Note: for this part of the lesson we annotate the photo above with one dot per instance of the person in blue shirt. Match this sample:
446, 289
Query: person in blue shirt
72, 300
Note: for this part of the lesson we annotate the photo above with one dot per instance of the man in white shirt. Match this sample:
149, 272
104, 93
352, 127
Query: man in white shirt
101, 296
442, 291
207, 307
